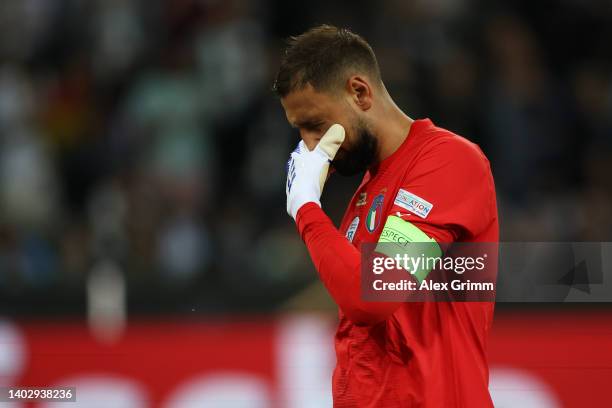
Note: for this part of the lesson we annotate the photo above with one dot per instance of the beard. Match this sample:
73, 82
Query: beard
360, 155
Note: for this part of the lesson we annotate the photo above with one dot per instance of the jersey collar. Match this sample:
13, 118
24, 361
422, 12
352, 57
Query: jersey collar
416, 128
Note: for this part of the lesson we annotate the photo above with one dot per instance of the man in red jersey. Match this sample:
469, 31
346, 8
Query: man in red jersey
423, 183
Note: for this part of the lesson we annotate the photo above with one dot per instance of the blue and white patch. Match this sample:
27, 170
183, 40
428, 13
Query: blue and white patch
413, 203
350, 232
372, 221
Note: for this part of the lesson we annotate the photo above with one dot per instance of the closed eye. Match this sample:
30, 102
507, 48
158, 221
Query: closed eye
311, 126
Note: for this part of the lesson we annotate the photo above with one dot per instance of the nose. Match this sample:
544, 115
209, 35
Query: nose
311, 139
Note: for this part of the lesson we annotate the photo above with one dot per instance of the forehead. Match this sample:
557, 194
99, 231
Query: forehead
307, 104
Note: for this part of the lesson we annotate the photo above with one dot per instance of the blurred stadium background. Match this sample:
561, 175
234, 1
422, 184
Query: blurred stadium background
145, 251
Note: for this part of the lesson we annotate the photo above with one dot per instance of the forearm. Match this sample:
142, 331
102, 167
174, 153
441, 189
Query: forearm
338, 263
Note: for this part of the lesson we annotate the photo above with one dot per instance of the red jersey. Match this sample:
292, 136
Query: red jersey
429, 354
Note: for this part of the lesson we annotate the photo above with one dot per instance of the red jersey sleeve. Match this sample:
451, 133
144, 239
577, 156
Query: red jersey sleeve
338, 263
449, 193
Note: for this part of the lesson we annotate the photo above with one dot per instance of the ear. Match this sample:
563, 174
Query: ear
360, 92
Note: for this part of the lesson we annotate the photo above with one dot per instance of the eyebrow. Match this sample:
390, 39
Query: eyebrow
306, 123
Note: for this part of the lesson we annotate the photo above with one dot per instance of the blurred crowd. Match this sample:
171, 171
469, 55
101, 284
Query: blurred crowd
143, 133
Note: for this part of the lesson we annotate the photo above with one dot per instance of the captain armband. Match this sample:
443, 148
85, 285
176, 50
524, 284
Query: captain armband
411, 247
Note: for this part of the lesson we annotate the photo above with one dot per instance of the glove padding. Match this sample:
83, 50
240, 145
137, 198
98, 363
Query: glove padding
307, 170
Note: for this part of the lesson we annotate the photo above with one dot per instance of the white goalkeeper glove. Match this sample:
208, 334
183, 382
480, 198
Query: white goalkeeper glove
307, 170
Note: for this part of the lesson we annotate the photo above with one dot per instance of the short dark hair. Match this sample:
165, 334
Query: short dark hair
323, 57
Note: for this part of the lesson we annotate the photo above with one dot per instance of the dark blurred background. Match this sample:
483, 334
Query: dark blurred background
142, 154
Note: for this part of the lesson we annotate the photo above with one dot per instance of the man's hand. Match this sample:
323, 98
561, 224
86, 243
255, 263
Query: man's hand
307, 170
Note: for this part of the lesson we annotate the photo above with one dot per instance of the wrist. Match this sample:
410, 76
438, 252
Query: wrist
307, 214
297, 205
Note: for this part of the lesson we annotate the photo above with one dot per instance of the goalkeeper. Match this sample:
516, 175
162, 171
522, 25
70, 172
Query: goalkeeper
421, 181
